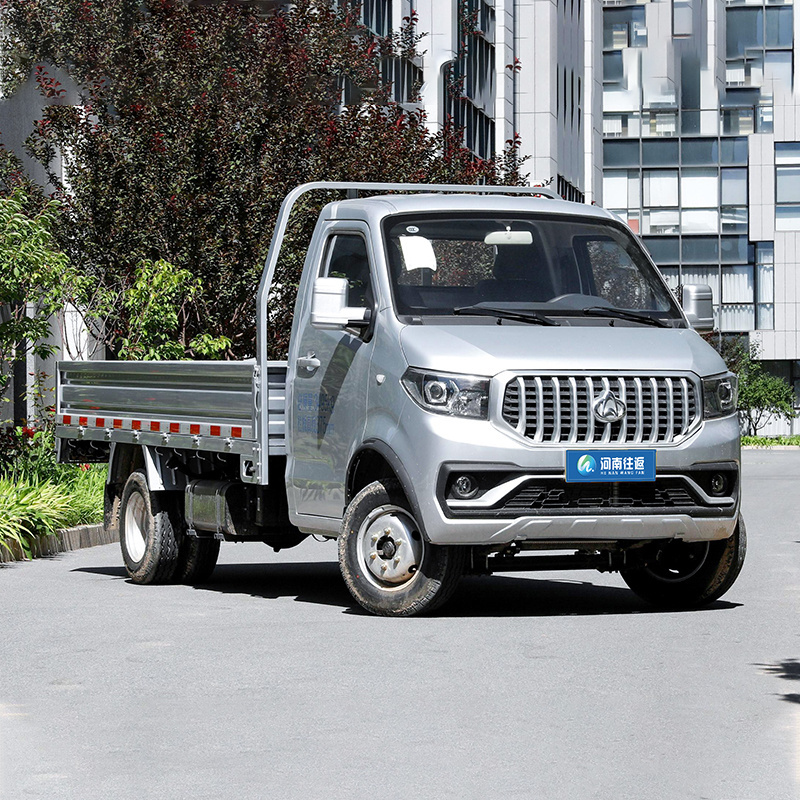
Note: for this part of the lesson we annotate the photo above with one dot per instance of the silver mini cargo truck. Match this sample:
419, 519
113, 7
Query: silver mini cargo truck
479, 380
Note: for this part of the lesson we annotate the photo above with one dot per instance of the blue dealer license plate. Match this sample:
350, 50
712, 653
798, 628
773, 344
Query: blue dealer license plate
604, 466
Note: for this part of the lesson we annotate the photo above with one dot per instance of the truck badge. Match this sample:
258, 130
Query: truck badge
608, 407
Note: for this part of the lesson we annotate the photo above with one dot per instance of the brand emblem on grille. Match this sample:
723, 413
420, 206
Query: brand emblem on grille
608, 407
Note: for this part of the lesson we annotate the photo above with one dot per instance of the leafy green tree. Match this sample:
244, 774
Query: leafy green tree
193, 123
761, 395
154, 302
36, 281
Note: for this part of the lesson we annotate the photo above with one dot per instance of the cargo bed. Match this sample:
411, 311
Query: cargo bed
193, 405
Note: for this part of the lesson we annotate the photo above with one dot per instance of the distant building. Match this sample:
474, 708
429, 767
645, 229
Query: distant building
701, 154
532, 68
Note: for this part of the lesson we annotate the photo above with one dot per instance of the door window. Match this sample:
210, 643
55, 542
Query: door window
347, 258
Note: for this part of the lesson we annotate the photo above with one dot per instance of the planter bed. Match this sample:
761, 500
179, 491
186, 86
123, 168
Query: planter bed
65, 539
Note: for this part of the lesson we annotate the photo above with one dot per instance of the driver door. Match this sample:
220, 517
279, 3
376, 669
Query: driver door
329, 399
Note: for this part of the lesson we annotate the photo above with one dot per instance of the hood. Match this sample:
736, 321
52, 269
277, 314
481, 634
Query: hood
490, 349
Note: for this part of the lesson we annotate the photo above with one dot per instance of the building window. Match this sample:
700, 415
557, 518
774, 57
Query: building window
377, 15
469, 90
738, 121
681, 17
787, 186
622, 125
739, 273
660, 153
612, 67
621, 154
765, 285
624, 27
405, 78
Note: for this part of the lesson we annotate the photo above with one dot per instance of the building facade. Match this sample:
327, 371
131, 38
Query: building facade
500, 67
701, 154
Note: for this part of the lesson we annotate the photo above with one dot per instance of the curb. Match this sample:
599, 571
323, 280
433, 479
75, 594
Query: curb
64, 540
771, 447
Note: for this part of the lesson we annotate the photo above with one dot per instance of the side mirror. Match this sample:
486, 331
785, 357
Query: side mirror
698, 305
329, 309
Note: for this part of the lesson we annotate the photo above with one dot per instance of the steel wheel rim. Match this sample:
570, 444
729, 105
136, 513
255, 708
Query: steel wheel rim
390, 548
135, 526
683, 567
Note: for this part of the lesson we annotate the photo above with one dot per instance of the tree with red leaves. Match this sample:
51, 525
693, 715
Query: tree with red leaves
193, 123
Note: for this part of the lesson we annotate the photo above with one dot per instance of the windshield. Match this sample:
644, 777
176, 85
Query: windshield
441, 264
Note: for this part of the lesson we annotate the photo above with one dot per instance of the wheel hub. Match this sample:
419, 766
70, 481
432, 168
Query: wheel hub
391, 546
135, 526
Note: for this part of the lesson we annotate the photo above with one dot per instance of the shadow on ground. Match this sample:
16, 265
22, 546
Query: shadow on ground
788, 670
491, 596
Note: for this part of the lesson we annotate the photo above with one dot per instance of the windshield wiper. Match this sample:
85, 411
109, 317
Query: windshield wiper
631, 316
532, 317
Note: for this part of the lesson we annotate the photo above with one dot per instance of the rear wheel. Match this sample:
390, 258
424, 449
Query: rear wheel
197, 559
147, 537
387, 565
690, 574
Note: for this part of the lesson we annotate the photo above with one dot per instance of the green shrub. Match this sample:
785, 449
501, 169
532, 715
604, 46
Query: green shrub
770, 441
38, 495
28, 508
85, 490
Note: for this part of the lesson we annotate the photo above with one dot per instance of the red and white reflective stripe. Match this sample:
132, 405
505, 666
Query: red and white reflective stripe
155, 426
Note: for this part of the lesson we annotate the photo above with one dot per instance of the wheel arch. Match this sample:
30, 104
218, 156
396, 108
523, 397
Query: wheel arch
122, 461
375, 460
127, 458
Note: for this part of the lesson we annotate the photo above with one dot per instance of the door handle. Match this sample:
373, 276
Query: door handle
309, 363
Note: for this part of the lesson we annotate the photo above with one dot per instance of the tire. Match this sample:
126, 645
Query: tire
690, 574
387, 565
147, 537
111, 500
197, 559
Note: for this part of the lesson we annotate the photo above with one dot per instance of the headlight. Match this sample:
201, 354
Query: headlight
444, 393
720, 396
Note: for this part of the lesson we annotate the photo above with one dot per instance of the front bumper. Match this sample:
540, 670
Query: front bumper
436, 446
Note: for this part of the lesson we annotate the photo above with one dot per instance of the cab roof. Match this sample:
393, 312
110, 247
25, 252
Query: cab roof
374, 209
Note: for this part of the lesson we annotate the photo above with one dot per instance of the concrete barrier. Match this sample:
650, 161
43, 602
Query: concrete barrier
62, 541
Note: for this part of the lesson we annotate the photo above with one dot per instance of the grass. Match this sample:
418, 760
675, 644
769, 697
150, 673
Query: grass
31, 506
770, 441
37, 495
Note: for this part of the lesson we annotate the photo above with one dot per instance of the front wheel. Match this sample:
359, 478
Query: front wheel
386, 563
689, 574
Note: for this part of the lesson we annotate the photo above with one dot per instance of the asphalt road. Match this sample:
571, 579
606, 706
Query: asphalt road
269, 683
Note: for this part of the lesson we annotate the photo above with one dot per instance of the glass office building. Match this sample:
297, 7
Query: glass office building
701, 154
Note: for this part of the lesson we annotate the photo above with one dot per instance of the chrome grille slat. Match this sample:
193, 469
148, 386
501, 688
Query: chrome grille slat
670, 411
637, 437
606, 437
623, 427
557, 409
573, 418
590, 417
655, 418
540, 406
522, 422
684, 406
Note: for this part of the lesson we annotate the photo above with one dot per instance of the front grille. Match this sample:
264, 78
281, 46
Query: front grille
559, 409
